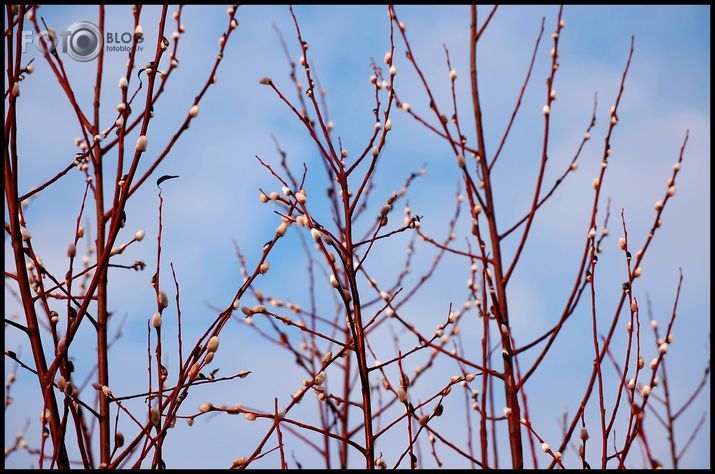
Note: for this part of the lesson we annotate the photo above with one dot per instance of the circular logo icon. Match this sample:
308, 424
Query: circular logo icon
84, 41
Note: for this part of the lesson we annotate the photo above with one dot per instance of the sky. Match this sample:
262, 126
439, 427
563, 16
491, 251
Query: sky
215, 200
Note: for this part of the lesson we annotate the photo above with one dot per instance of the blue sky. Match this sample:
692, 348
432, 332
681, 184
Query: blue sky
216, 198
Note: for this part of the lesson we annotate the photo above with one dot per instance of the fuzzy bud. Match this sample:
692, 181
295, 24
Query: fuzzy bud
281, 229
212, 345
163, 300
141, 143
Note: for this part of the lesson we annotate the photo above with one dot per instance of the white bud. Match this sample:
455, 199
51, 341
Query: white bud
393, 71
320, 378
163, 299
300, 197
139, 235
156, 320
123, 83
631, 384
388, 57
663, 348
281, 229
212, 345
205, 407
645, 391
315, 233
453, 74
194, 111
547, 109
545, 447
141, 143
